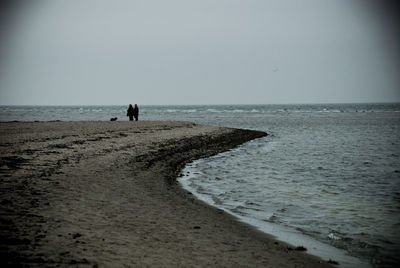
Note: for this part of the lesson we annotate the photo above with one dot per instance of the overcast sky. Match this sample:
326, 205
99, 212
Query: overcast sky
99, 52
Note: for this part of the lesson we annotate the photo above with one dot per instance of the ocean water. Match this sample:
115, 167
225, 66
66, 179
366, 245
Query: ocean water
327, 177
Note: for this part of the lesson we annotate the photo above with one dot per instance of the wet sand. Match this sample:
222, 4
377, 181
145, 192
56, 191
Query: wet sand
104, 194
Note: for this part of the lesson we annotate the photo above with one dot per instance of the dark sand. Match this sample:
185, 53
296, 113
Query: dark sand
104, 194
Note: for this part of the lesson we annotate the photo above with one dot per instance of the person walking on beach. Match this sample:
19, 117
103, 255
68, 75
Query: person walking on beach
136, 112
133, 112
130, 112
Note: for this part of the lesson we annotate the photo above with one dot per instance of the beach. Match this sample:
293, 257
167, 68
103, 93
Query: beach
104, 194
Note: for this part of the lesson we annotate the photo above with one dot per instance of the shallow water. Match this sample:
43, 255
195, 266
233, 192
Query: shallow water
328, 172
331, 175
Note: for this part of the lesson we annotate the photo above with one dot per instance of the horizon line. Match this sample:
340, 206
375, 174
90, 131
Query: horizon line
216, 104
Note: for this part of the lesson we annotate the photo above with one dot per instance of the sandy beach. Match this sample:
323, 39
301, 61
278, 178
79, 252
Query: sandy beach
104, 194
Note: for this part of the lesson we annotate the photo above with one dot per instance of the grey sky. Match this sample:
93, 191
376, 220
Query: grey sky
198, 52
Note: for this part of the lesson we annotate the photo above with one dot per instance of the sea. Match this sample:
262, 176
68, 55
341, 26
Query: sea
327, 177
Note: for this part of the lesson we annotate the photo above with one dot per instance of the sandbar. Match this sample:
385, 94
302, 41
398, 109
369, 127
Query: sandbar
105, 194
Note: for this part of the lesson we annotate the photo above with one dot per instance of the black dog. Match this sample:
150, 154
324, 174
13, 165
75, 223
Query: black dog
114, 119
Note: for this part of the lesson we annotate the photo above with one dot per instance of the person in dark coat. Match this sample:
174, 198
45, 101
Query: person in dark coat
130, 112
136, 112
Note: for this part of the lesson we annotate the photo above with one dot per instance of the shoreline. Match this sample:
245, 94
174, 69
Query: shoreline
281, 233
106, 194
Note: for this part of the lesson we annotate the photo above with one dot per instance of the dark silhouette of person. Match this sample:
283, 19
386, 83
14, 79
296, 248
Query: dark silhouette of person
136, 112
130, 112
